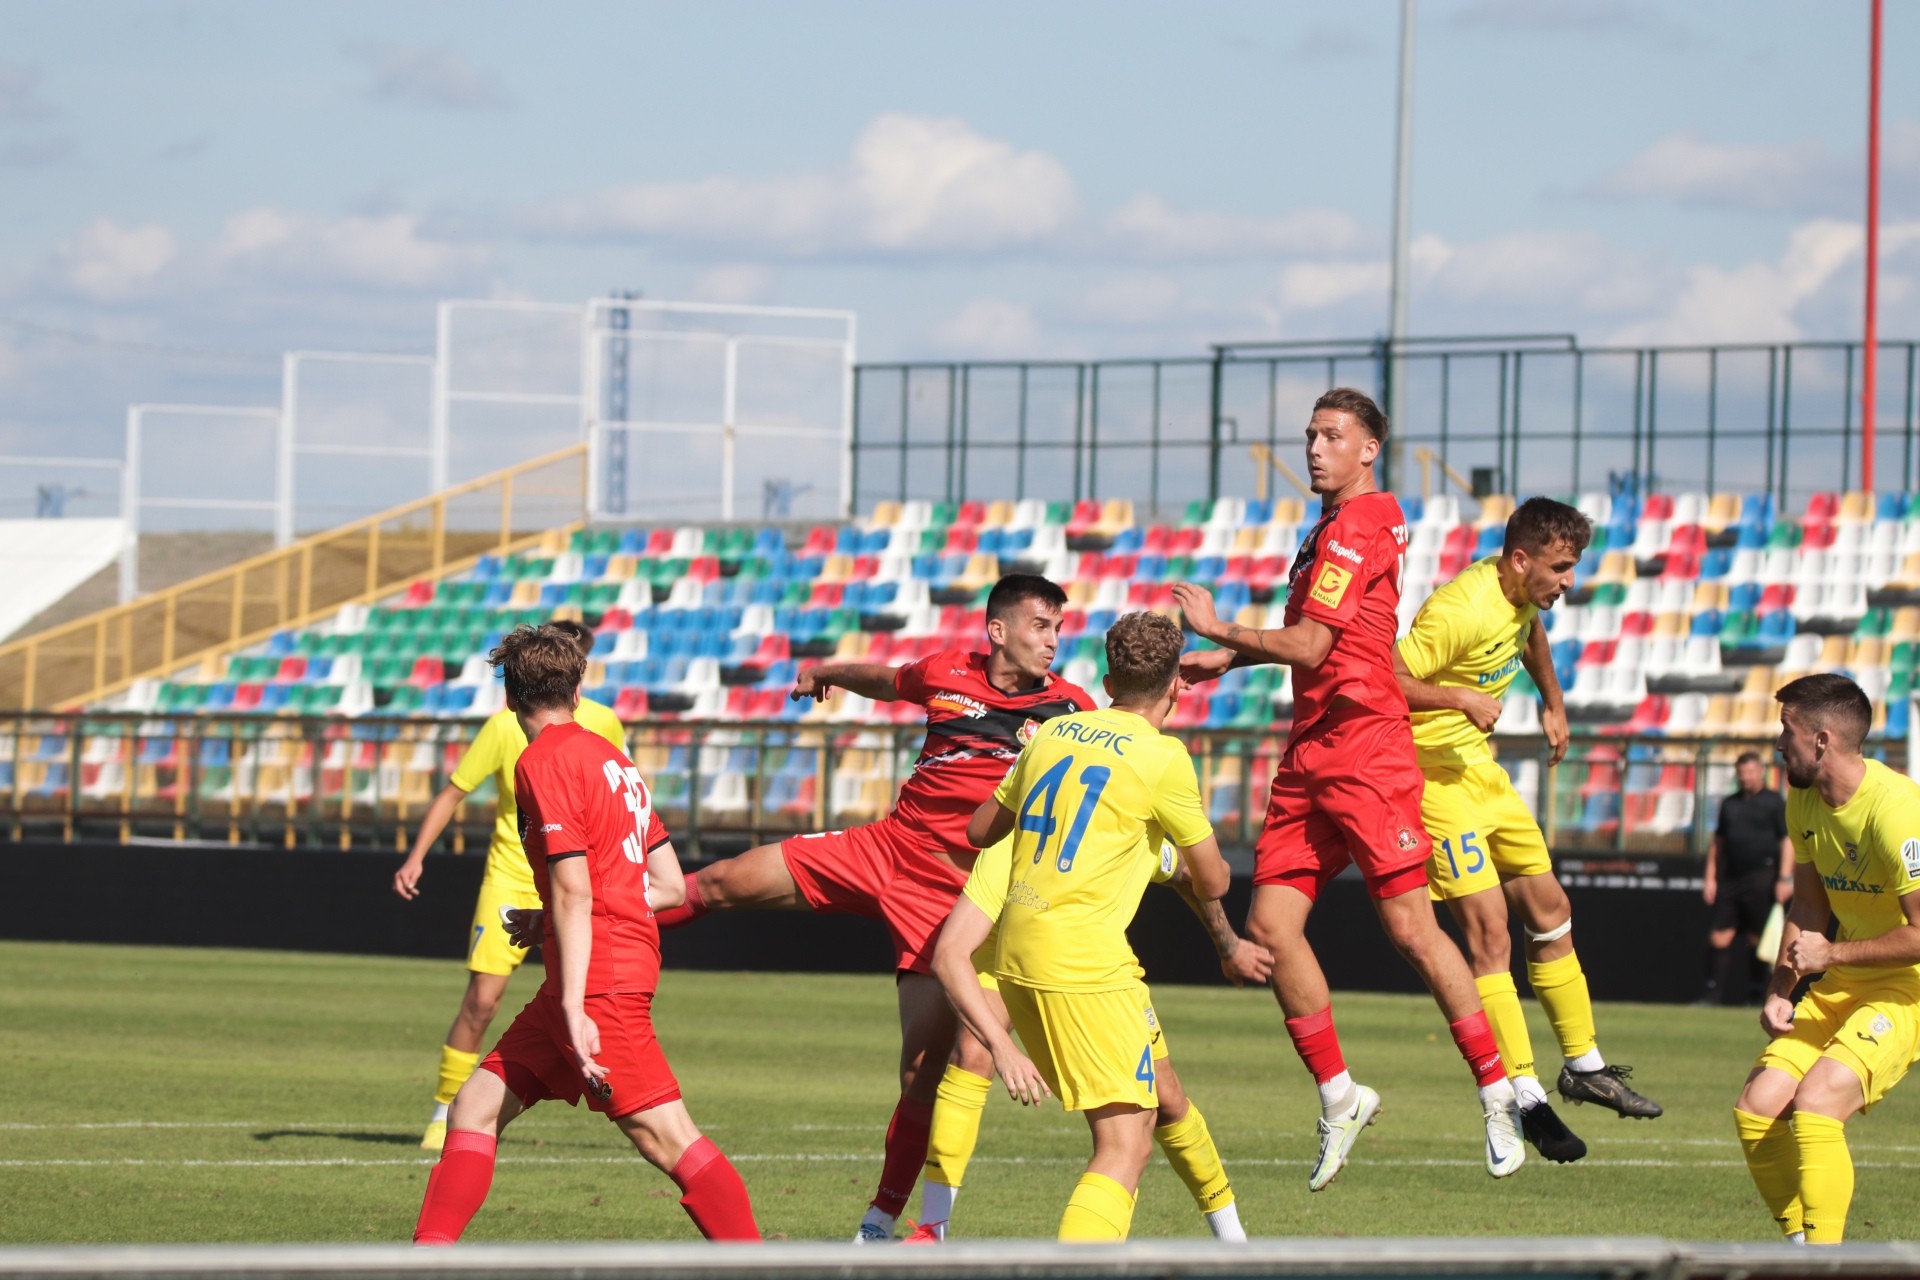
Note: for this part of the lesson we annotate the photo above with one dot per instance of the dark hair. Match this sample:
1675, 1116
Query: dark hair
1143, 655
1360, 405
541, 665
1749, 757
1828, 700
582, 633
1017, 588
1538, 523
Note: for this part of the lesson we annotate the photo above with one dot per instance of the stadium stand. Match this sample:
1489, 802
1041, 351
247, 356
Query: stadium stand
1689, 611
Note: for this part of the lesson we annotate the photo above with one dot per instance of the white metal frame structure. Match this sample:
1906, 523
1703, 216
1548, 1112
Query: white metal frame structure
446, 394
292, 445
598, 332
133, 500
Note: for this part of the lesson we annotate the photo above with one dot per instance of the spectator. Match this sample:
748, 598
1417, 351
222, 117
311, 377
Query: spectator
1749, 869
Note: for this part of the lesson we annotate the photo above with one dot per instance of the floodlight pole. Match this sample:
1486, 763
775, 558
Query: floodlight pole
1402, 220
1871, 354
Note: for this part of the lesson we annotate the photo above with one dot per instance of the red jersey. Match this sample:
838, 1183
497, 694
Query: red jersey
1347, 575
974, 734
580, 796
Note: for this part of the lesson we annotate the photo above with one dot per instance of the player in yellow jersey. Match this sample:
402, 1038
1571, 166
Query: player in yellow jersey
1179, 1128
507, 885
1470, 639
1855, 827
1079, 805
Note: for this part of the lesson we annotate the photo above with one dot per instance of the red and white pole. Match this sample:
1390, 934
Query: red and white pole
1871, 355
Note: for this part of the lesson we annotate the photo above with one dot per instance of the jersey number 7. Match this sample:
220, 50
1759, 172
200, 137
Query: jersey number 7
1046, 792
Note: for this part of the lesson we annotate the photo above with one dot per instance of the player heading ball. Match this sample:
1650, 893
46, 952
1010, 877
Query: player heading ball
603, 862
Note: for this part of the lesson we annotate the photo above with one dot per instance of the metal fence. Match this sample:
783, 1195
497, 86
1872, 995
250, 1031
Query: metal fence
1527, 413
317, 781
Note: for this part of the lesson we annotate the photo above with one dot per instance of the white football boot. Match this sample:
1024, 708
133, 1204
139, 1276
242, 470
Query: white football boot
1338, 1136
1506, 1149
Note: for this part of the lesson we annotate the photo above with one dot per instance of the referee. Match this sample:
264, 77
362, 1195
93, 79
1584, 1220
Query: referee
1749, 869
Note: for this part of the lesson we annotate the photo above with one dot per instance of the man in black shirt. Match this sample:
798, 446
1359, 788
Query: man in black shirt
1749, 869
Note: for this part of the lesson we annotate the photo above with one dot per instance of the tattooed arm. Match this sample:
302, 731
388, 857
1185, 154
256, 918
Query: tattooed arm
1241, 960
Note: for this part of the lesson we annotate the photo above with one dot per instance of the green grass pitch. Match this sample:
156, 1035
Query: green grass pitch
179, 1095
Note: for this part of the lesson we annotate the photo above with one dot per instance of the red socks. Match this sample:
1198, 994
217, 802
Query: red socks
1475, 1039
456, 1188
692, 909
713, 1195
906, 1153
1319, 1047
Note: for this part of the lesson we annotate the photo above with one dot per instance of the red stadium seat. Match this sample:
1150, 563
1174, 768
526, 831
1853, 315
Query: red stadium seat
1659, 507
660, 542
615, 619
971, 516
822, 540
1777, 596
1155, 540
1681, 565
960, 541
427, 671
418, 594
827, 595
703, 568
631, 704
1637, 624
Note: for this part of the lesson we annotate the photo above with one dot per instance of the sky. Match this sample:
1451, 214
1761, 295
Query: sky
188, 189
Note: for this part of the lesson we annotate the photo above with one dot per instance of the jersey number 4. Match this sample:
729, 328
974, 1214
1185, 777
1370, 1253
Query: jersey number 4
1036, 815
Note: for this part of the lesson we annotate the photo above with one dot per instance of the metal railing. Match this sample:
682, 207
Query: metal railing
1509, 413
722, 786
296, 585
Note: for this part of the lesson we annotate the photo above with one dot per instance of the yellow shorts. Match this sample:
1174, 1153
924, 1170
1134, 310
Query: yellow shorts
1482, 832
1093, 1048
986, 958
1871, 1027
488, 950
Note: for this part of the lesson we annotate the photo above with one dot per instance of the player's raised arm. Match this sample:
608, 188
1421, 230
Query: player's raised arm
1304, 644
1242, 960
868, 679
406, 881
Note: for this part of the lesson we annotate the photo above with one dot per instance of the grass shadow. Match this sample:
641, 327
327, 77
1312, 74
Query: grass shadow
385, 1139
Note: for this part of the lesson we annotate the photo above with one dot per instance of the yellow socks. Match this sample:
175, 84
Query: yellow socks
1561, 989
1189, 1149
1773, 1158
1826, 1175
1100, 1209
1501, 999
956, 1128
455, 1067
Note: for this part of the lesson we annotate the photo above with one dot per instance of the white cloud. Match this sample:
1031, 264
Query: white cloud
1148, 227
104, 260
1129, 301
989, 327
735, 282
1316, 286
1798, 177
386, 251
911, 184
1757, 301
429, 76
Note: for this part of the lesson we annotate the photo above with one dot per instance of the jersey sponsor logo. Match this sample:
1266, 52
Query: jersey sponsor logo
1499, 673
958, 704
1330, 588
1910, 856
1881, 1025
1022, 893
549, 828
1345, 553
1847, 884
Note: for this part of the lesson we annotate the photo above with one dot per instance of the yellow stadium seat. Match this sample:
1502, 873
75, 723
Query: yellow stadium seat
885, 515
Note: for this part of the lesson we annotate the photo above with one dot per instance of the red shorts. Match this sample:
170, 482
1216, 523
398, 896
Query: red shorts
1347, 790
535, 1057
884, 871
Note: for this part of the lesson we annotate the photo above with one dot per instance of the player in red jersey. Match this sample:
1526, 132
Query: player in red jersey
908, 868
602, 862
1347, 790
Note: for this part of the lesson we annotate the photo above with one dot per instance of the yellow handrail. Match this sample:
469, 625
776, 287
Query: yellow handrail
1426, 458
296, 585
1261, 454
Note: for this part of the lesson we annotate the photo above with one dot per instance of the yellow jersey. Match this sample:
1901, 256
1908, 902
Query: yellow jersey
1867, 853
1091, 793
1466, 635
495, 750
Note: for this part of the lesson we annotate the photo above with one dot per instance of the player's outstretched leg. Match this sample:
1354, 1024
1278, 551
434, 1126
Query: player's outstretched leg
1102, 1205
927, 1030
461, 1052
1278, 922
1561, 987
1409, 921
1482, 917
710, 1187
459, 1183
1181, 1132
758, 878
